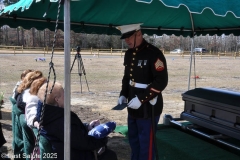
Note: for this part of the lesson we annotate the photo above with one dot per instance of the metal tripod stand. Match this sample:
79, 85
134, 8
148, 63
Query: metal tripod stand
81, 69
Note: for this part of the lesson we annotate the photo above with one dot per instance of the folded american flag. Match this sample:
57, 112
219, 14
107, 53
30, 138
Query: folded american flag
102, 130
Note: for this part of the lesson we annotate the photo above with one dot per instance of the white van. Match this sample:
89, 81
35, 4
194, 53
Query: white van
199, 50
176, 51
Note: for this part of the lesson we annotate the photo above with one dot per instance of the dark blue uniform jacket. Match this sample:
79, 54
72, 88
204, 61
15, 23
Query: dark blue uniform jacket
145, 64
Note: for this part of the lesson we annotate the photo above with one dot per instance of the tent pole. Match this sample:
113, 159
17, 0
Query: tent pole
190, 68
67, 80
194, 65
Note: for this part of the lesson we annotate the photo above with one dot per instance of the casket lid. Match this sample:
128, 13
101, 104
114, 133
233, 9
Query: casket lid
216, 95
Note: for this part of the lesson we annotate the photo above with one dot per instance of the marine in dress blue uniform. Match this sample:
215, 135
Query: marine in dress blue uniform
145, 77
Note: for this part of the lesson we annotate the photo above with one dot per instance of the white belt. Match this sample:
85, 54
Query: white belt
137, 85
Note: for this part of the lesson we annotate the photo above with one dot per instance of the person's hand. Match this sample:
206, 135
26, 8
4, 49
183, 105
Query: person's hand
93, 124
36, 124
153, 101
134, 103
122, 99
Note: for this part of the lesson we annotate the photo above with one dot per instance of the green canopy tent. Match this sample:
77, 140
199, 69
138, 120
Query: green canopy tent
179, 17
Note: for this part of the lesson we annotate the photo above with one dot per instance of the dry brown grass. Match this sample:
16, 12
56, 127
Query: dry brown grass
104, 76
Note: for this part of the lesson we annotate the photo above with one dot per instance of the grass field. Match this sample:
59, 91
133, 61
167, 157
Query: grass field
104, 75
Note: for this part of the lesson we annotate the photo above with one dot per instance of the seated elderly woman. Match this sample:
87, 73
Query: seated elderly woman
52, 128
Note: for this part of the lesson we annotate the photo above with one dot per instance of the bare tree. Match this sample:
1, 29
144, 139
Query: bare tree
33, 37
22, 40
18, 41
6, 34
1, 35
44, 37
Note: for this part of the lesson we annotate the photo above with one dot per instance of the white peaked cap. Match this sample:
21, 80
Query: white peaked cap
128, 30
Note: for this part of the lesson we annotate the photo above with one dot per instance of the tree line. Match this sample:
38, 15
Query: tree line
36, 38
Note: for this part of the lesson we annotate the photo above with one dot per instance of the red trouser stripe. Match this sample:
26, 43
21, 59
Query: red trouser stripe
150, 151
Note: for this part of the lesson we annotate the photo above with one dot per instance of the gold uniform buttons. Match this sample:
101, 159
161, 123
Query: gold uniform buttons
136, 49
133, 80
130, 75
150, 93
146, 97
133, 58
131, 69
132, 64
141, 67
134, 53
142, 100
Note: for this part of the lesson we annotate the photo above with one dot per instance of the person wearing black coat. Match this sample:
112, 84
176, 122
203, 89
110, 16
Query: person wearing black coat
82, 145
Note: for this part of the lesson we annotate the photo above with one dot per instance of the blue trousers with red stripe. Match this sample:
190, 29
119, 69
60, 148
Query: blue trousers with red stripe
140, 136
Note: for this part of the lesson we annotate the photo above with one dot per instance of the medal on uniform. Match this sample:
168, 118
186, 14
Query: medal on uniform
139, 62
145, 62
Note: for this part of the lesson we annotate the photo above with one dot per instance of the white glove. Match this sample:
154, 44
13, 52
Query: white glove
93, 124
134, 103
153, 101
122, 99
